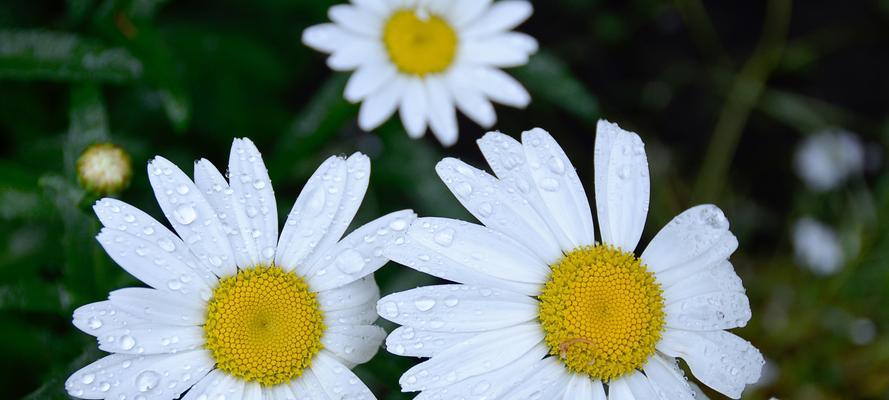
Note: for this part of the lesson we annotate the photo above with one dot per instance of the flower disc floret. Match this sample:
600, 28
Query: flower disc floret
602, 312
263, 325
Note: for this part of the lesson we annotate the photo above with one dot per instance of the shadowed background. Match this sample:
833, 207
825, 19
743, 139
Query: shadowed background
721, 92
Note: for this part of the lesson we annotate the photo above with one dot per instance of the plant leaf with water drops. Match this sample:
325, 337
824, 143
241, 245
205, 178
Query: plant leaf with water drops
54, 56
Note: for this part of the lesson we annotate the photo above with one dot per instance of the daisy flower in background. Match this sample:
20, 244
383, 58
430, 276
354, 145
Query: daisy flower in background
817, 246
427, 58
233, 310
829, 158
542, 310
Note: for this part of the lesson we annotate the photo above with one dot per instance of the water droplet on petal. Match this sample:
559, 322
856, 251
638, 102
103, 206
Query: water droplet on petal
185, 214
424, 303
147, 381
445, 237
350, 261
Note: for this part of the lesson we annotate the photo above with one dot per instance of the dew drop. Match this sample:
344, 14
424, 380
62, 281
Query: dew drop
424, 303
88, 378
94, 323
445, 237
556, 165
182, 189
259, 184
127, 342
451, 301
185, 214
166, 245
549, 184
349, 261
147, 381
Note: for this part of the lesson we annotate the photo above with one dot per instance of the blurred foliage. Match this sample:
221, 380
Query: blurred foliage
720, 91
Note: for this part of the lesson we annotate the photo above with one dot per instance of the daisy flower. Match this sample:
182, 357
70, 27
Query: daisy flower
541, 310
233, 310
427, 58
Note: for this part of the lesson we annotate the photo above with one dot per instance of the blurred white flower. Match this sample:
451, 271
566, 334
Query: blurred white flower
828, 158
427, 58
817, 246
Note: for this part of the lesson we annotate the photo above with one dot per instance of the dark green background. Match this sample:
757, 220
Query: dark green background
721, 92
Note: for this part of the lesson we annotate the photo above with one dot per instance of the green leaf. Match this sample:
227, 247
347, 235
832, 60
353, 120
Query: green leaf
35, 296
88, 123
320, 120
54, 388
551, 81
31, 55
144, 41
85, 266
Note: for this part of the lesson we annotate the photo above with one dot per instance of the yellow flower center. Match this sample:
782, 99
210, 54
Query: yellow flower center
419, 45
602, 312
263, 325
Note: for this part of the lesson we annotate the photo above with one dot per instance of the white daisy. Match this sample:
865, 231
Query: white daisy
542, 310
828, 158
817, 246
426, 58
235, 311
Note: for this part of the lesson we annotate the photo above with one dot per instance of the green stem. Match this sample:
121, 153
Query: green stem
745, 93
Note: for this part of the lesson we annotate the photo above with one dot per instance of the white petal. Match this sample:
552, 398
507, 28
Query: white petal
707, 312
355, 53
102, 317
407, 341
163, 376
327, 37
466, 11
364, 314
148, 262
639, 386
379, 106
718, 359
307, 387
559, 187
502, 16
414, 107
696, 239
356, 19
442, 114
357, 344
491, 385
358, 254
548, 380
367, 79
475, 356
582, 387
618, 389
151, 338
505, 50
254, 195
500, 87
191, 216
379, 7
622, 185
497, 205
157, 306
252, 391
277, 392
338, 382
720, 277
216, 385
232, 216
667, 379
361, 292
117, 215
457, 308
469, 99
475, 254
323, 210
